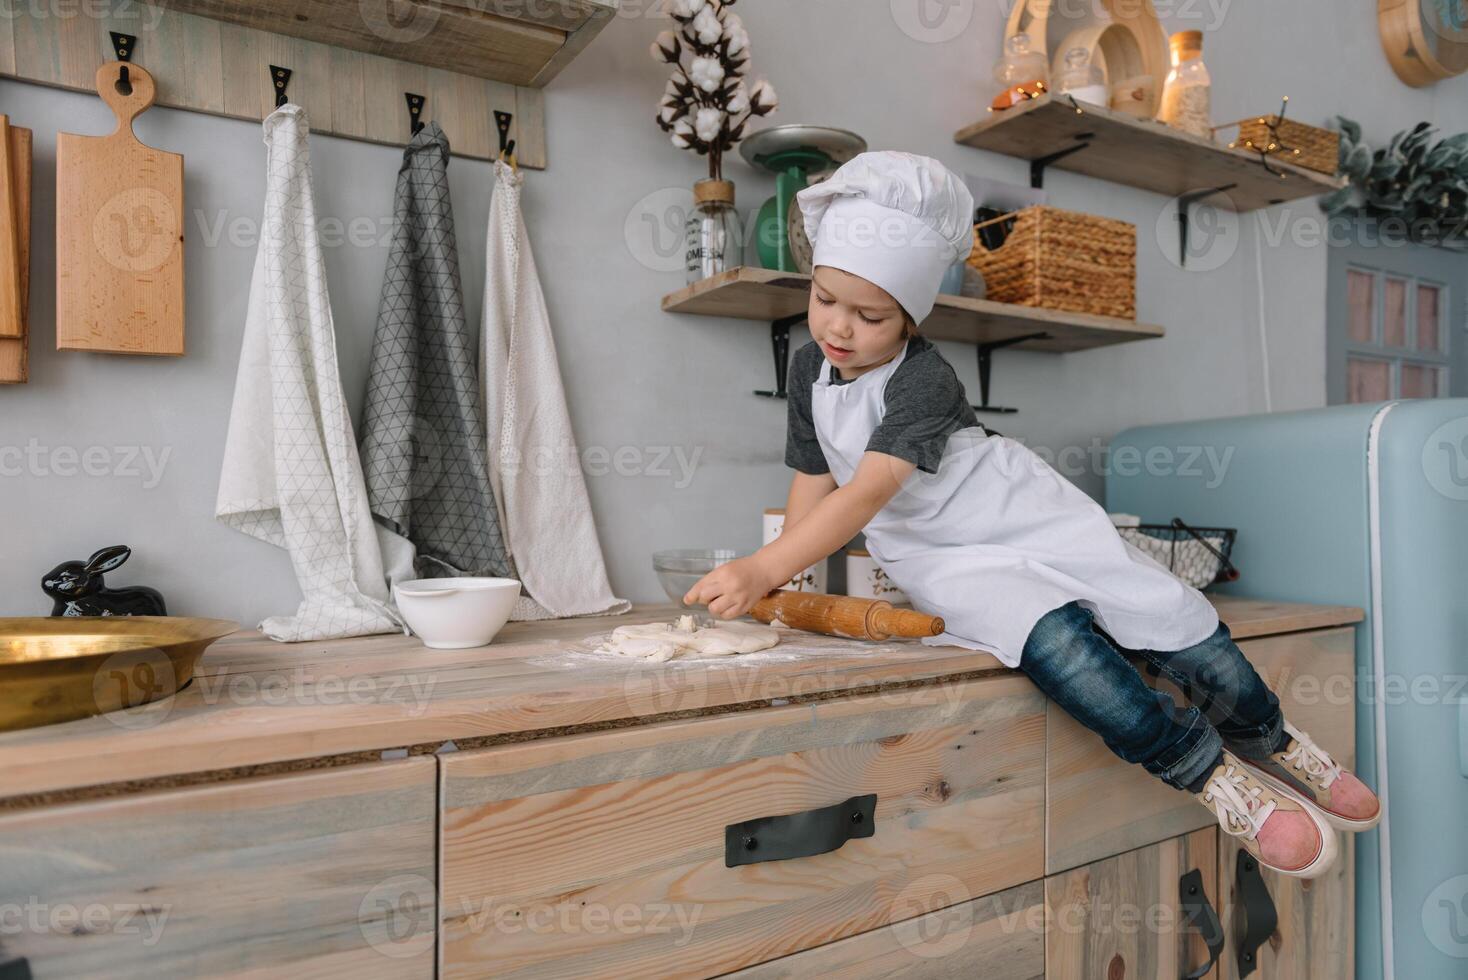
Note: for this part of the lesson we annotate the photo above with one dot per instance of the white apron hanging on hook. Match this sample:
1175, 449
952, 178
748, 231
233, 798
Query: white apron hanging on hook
291, 472
534, 464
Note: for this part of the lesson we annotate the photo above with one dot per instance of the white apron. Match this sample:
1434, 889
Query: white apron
996, 538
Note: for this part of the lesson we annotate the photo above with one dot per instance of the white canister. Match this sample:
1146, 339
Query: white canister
813, 579
865, 578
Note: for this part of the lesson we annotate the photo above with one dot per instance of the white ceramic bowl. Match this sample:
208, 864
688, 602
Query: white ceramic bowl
456, 613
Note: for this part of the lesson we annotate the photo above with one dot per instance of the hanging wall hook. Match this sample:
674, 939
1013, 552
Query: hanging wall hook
123, 46
415, 110
280, 79
502, 121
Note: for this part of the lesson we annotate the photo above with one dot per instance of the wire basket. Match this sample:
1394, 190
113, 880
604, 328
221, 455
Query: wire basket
1197, 555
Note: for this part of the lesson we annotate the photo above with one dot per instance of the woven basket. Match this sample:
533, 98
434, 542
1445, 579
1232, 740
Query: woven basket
1063, 260
1319, 148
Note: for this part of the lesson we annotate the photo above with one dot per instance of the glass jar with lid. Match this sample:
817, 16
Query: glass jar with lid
713, 240
1022, 72
1082, 79
1185, 96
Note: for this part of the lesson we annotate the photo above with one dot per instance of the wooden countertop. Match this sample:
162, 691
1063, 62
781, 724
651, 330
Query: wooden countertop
257, 703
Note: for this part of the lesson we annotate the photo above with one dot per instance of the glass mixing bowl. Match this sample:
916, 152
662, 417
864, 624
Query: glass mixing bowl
679, 569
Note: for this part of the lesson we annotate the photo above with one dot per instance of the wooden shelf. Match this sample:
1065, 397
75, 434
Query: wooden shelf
1141, 153
749, 293
503, 40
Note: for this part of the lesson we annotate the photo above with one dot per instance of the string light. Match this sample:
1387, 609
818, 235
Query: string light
1276, 142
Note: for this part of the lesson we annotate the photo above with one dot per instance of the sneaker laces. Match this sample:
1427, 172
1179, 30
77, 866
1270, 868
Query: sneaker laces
1235, 800
1311, 759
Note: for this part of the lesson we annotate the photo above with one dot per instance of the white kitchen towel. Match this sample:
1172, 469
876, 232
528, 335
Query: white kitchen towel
534, 464
291, 473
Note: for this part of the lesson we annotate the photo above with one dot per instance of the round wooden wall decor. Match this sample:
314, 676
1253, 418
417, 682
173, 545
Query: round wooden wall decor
1425, 40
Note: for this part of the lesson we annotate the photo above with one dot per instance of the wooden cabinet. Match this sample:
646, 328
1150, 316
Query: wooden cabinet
1098, 805
605, 854
998, 936
1314, 933
590, 824
322, 874
1123, 917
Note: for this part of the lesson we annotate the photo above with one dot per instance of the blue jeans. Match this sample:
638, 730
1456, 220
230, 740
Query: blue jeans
1085, 671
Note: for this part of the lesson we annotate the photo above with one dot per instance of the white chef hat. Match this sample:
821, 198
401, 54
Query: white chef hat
896, 219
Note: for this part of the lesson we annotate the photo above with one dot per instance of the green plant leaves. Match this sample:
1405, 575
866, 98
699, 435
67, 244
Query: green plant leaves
1411, 178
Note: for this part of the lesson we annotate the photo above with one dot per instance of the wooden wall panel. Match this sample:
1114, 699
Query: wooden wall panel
223, 69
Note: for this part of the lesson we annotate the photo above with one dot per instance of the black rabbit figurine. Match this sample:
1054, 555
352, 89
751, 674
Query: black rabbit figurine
77, 590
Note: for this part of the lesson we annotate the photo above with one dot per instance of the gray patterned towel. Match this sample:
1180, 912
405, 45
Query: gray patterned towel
423, 437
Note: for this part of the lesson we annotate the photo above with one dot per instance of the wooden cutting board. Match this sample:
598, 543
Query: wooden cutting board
11, 313
119, 233
14, 351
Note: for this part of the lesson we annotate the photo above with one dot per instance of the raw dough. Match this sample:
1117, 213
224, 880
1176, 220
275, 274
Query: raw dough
658, 642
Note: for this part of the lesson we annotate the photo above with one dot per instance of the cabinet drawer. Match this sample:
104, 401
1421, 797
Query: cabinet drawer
603, 854
1122, 916
1100, 805
324, 874
997, 937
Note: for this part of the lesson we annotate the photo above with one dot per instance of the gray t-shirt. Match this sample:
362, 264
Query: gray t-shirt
925, 404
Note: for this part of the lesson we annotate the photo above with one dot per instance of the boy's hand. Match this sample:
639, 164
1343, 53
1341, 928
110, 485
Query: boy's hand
732, 589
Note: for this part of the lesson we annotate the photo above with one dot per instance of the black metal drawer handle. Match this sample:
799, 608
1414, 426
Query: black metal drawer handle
1198, 914
1258, 912
795, 835
19, 969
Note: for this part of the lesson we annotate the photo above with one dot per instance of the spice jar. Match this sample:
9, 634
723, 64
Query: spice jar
1185, 96
713, 240
1082, 79
1022, 73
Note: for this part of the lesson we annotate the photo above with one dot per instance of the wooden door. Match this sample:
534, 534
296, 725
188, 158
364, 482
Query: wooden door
1122, 918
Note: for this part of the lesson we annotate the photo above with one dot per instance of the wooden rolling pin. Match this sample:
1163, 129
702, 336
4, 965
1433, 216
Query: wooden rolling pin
849, 616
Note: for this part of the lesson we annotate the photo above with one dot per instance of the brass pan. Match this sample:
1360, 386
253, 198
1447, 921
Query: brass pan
57, 668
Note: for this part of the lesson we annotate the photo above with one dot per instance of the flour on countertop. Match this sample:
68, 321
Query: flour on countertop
794, 645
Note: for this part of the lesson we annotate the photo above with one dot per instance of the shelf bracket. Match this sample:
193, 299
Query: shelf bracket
1038, 165
780, 347
986, 364
1185, 202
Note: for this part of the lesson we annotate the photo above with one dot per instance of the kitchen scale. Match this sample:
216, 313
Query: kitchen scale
797, 155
